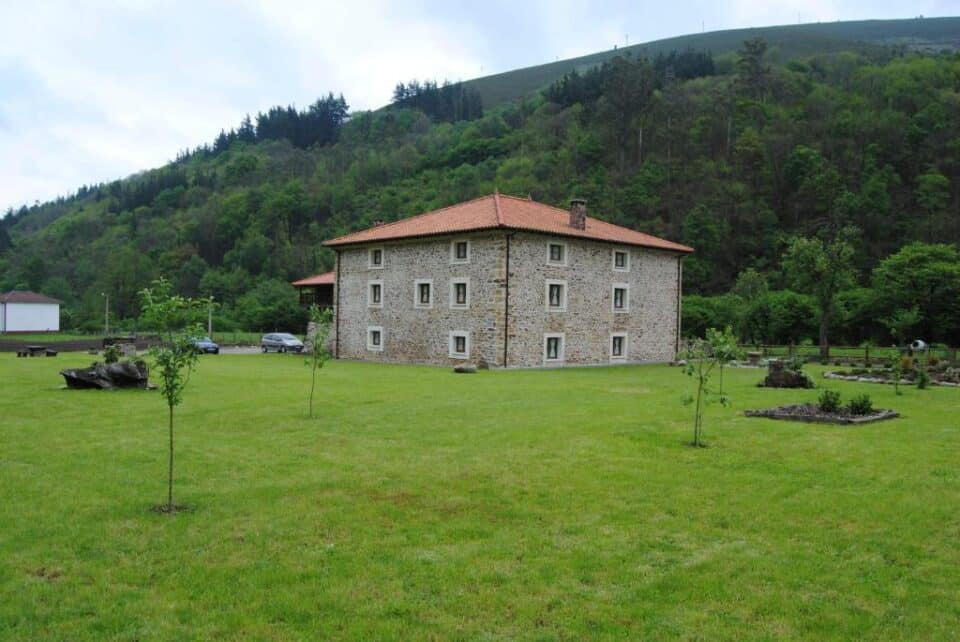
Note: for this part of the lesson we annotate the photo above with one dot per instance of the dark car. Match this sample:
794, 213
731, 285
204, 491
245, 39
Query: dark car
281, 342
206, 344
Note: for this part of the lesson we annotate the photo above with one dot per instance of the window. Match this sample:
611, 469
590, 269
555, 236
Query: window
375, 338
460, 252
552, 347
621, 261
556, 296
375, 258
460, 294
459, 344
423, 293
375, 294
556, 253
621, 297
618, 346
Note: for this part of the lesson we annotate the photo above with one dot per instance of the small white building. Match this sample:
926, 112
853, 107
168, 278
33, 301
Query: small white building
22, 311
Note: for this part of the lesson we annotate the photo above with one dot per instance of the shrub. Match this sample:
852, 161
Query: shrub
829, 401
795, 363
933, 360
906, 364
860, 405
923, 379
111, 354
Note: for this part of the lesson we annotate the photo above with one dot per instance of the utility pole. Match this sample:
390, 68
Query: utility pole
210, 318
106, 314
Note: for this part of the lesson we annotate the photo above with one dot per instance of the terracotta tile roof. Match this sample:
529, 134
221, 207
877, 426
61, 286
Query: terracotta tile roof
499, 211
23, 296
317, 279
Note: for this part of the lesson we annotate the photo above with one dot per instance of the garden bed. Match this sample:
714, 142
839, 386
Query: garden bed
811, 413
884, 377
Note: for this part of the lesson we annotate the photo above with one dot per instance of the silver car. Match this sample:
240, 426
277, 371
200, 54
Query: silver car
280, 342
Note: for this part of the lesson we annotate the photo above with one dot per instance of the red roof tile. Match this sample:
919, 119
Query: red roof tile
318, 279
23, 296
499, 211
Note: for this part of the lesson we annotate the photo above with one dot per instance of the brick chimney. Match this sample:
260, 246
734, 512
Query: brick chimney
578, 213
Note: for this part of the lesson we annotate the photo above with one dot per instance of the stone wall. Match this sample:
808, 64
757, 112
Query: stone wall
416, 335
589, 320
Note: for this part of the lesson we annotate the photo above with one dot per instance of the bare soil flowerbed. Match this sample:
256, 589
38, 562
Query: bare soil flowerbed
811, 412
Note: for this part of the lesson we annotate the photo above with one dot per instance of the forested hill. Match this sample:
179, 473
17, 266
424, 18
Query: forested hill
786, 42
728, 156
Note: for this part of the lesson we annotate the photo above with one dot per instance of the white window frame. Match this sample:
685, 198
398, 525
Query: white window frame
613, 260
370, 330
370, 302
419, 305
370, 263
453, 252
564, 252
626, 298
624, 346
453, 293
561, 347
454, 334
563, 295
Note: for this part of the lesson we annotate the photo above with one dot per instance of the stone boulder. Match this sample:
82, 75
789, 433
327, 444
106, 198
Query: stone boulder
107, 376
779, 376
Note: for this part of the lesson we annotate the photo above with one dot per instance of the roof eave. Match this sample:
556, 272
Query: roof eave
345, 242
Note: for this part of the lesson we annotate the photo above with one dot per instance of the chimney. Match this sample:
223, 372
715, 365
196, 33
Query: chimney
377, 222
578, 213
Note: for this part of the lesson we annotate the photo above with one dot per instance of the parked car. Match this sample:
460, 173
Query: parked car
206, 344
280, 342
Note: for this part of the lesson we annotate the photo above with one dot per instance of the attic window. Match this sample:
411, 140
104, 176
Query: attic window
621, 261
460, 252
556, 253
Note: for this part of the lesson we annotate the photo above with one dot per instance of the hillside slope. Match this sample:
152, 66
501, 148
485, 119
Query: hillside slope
786, 41
730, 161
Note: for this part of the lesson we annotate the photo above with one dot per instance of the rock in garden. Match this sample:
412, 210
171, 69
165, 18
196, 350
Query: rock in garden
106, 376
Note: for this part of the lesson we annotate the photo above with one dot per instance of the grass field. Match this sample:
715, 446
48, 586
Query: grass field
421, 504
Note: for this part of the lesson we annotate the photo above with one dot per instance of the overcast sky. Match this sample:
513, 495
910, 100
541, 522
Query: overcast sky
92, 91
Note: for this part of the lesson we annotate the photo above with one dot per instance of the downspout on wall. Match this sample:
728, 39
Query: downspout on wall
336, 311
676, 350
506, 305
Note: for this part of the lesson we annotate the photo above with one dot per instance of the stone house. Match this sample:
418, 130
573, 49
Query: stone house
506, 282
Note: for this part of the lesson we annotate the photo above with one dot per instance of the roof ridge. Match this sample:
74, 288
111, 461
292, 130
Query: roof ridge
414, 217
496, 208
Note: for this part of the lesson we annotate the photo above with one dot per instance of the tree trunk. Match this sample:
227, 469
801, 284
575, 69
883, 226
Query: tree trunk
824, 329
170, 466
640, 146
313, 384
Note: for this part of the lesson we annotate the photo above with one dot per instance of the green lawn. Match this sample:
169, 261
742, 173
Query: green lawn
48, 337
505, 505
